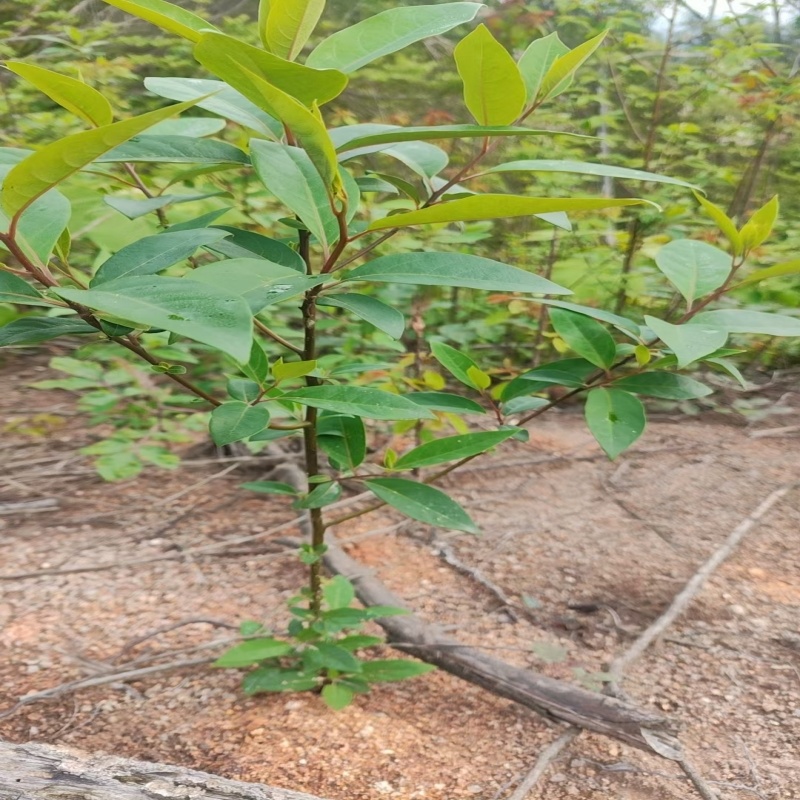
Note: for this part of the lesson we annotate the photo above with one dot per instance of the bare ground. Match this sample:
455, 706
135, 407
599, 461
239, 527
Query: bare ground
562, 526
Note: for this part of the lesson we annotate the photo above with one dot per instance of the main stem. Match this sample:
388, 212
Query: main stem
310, 440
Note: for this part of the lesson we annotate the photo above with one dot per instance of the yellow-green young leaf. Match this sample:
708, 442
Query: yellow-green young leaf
227, 58
290, 23
494, 91
565, 66
479, 378
47, 167
760, 225
777, 271
723, 222
497, 206
263, 16
170, 17
70, 93
294, 369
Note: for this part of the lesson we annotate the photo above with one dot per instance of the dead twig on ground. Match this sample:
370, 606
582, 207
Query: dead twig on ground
167, 629
546, 757
29, 506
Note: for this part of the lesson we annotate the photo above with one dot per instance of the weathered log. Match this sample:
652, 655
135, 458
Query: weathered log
42, 772
554, 699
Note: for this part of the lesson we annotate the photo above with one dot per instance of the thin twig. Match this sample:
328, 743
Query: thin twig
546, 757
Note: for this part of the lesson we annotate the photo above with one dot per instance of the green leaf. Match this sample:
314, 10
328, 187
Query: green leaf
359, 641
243, 389
386, 670
694, 268
358, 401
537, 60
456, 363
569, 372
584, 168
338, 592
689, 342
335, 657
494, 91
271, 679
269, 487
55, 162
246, 244
761, 322
32, 330
387, 32
70, 93
294, 369
174, 150
666, 385
381, 612
385, 318
615, 418
290, 23
154, 253
564, 67
355, 137
422, 502
776, 271
252, 652
235, 420
727, 366
760, 225
323, 495
452, 269
165, 15
723, 222
452, 448
343, 439
623, 324
337, 696
261, 283
232, 60
133, 208
288, 173
585, 336
497, 206
189, 308
446, 402
188, 127
15, 290
220, 99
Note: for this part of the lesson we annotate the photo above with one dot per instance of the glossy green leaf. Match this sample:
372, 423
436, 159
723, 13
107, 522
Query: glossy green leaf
323, 495
235, 420
623, 324
133, 208
452, 269
165, 15
723, 222
70, 93
289, 25
425, 159
422, 502
188, 308
689, 342
198, 223
252, 652
261, 283
154, 253
192, 127
337, 696
497, 206
47, 167
776, 271
615, 418
174, 150
343, 439
585, 168
269, 487
247, 244
294, 369
694, 268
338, 592
564, 67
452, 448
571, 373
385, 670
384, 317
536, 61
232, 60
272, 679
666, 385
387, 32
219, 99
14, 289
494, 91
588, 338
288, 173
727, 366
456, 363
744, 321
358, 401
32, 330
446, 402
758, 228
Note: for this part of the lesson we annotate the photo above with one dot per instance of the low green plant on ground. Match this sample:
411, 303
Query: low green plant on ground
330, 208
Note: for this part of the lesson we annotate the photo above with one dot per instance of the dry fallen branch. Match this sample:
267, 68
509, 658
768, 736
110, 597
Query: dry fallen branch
546, 757
34, 771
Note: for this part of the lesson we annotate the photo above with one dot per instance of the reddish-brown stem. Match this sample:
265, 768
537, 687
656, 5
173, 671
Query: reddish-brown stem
277, 338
